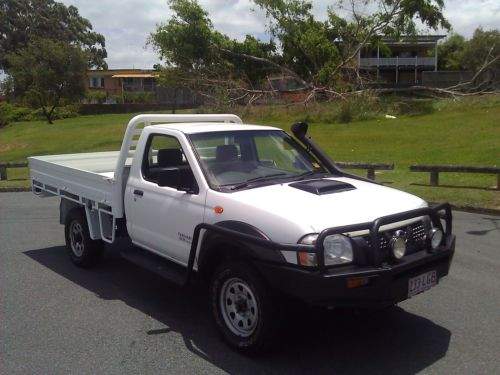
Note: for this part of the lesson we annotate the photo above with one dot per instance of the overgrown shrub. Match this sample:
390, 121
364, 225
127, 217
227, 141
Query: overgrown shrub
352, 108
95, 96
414, 107
346, 113
13, 113
140, 97
4, 120
68, 111
115, 99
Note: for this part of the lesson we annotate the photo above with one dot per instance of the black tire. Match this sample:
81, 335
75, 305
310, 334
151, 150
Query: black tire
83, 251
257, 339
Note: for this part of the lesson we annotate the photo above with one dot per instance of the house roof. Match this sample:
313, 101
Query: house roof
135, 75
123, 72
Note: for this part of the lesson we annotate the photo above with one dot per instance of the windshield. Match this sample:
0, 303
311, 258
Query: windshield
235, 159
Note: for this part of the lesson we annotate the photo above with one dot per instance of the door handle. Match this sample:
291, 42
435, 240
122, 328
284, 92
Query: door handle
138, 192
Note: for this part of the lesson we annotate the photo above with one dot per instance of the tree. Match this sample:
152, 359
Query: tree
451, 53
479, 55
321, 55
483, 47
206, 61
319, 51
47, 73
22, 21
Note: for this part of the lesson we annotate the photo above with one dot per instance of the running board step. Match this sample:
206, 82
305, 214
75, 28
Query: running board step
156, 264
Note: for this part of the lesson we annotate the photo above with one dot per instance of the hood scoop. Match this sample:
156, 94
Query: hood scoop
321, 187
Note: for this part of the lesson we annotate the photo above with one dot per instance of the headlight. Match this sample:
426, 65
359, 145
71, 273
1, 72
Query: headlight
338, 250
436, 237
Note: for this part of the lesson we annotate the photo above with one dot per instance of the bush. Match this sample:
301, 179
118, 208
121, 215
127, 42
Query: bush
12, 113
95, 97
4, 120
115, 99
68, 111
140, 97
353, 108
346, 113
413, 107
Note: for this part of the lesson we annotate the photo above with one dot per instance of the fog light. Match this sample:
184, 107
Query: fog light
436, 237
398, 246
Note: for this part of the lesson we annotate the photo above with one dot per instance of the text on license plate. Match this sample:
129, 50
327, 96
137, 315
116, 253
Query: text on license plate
421, 283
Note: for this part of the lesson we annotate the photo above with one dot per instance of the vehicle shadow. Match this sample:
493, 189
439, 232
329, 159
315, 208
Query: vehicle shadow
311, 340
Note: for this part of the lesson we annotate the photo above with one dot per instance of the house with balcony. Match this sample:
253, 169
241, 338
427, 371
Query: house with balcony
117, 83
401, 62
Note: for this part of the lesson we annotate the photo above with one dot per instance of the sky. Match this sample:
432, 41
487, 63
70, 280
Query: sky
126, 24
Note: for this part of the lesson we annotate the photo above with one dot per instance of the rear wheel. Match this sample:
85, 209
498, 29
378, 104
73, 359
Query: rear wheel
83, 251
242, 307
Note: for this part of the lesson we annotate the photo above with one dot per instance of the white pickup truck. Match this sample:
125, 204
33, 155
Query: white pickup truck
253, 212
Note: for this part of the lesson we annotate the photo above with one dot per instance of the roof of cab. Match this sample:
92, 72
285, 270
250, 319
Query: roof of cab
207, 127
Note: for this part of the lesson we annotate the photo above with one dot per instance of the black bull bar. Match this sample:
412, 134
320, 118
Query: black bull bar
437, 215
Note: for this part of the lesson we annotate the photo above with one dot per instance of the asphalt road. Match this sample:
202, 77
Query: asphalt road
118, 319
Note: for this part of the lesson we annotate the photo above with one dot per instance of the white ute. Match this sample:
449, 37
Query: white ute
252, 212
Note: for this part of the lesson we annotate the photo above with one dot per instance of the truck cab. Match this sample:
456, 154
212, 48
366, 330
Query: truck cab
251, 211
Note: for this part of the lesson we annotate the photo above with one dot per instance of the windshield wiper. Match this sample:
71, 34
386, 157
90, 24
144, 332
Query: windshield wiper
256, 179
304, 175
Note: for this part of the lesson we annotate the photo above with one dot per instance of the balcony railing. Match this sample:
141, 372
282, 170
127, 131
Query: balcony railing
396, 61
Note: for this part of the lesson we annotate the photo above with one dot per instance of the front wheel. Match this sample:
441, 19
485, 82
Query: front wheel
83, 251
242, 307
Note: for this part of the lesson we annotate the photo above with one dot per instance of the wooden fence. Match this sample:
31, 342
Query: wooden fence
434, 171
4, 166
370, 168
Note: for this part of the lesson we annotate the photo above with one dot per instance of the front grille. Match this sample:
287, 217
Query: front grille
415, 235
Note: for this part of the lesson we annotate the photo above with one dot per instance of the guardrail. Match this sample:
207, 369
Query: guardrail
434, 171
370, 167
4, 166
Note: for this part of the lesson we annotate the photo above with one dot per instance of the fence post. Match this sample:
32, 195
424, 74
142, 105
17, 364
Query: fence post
434, 178
3, 172
370, 174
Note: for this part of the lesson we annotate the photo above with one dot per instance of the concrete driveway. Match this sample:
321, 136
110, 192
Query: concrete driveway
117, 318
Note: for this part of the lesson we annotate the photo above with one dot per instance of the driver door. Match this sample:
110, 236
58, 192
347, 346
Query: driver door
162, 218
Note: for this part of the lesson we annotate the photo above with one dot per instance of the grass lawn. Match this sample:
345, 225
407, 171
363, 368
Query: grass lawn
466, 133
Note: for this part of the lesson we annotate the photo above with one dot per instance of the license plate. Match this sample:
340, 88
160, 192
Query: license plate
421, 283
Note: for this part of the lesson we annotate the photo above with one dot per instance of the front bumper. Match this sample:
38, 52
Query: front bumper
387, 284
383, 282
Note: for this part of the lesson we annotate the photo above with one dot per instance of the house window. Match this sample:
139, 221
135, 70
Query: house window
96, 82
148, 84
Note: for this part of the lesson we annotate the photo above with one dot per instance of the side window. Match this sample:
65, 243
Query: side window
162, 153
